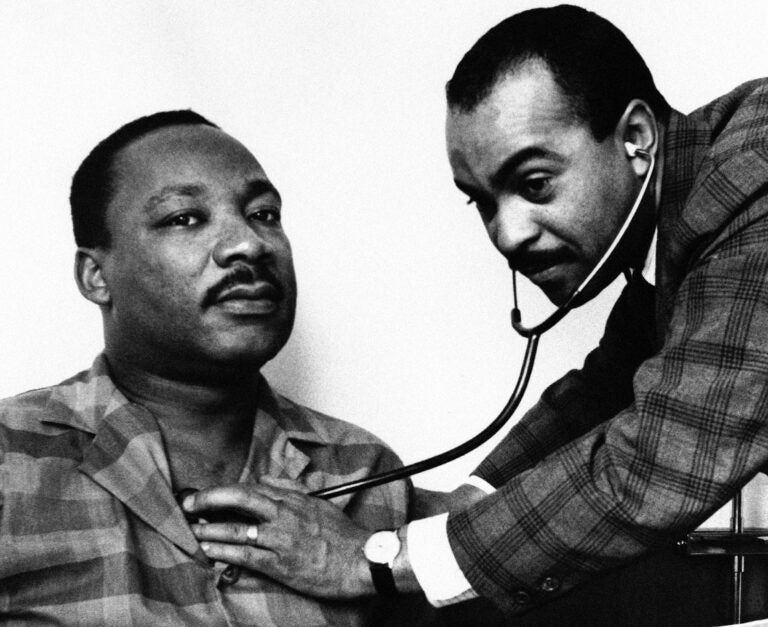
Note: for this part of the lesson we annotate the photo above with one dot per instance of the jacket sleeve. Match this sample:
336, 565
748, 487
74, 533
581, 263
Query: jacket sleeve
696, 431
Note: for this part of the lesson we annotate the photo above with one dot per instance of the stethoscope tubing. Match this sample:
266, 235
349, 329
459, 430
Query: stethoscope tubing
532, 334
443, 458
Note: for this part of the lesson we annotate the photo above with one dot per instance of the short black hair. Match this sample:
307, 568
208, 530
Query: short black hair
93, 184
592, 61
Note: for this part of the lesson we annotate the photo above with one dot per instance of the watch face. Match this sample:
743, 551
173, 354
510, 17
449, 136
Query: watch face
382, 547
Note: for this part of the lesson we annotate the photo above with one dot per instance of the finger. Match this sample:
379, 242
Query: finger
285, 484
248, 500
254, 558
231, 533
267, 536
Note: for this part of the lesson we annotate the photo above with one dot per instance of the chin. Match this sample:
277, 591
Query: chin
557, 293
249, 344
561, 288
557, 300
250, 353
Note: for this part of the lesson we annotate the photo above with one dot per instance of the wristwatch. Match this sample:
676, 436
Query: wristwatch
380, 550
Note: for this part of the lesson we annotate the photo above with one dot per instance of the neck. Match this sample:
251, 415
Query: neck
194, 397
206, 427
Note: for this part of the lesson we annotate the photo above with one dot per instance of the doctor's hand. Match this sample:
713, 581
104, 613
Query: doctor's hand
304, 542
429, 502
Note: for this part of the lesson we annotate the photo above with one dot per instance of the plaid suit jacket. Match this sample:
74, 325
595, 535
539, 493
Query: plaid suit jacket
669, 415
91, 534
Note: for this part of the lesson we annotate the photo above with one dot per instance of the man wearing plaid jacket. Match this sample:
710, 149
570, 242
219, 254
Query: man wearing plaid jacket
554, 124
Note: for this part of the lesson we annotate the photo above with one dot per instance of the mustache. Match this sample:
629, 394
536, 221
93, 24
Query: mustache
244, 275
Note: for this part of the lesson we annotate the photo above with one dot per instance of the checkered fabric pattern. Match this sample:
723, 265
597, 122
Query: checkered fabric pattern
669, 415
90, 532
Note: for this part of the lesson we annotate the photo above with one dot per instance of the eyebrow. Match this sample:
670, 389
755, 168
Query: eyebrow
259, 187
514, 161
253, 189
173, 190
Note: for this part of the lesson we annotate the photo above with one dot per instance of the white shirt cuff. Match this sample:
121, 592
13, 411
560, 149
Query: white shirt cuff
481, 484
433, 562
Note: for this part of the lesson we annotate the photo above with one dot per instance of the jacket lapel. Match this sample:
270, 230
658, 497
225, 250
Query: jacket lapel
126, 456
128, 460
273, 451
685, 145
282, 447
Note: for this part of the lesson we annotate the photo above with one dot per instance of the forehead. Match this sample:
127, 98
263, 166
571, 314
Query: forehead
526, 108
190, 154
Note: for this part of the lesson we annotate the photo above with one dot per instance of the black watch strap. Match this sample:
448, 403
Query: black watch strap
381, 549
383, 580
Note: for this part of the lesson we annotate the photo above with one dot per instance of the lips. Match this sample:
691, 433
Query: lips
538, 273
261, 290
259, 298
539, 266
246, 290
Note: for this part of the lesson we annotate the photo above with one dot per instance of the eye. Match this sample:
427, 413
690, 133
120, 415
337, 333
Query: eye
268, 215
184, 219
536, 187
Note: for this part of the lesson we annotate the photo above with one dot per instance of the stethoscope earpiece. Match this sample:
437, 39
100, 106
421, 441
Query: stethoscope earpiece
633, 150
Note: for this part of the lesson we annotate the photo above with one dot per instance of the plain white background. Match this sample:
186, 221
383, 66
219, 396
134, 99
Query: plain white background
403, 317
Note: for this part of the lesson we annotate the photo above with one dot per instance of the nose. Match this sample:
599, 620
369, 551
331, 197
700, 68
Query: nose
237, 240
513, 228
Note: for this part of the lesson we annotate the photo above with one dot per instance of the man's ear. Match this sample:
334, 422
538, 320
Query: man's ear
90, 276
638, 128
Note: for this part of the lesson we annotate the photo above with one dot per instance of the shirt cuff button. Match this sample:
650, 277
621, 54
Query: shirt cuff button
521, 597
549, 584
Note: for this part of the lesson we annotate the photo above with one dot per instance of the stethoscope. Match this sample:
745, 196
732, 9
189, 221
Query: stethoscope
532, 334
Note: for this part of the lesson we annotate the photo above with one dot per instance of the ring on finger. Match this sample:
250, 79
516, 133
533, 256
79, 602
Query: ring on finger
252, 534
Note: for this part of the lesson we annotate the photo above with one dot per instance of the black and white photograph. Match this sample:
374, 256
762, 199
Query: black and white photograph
356, 312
